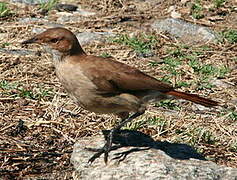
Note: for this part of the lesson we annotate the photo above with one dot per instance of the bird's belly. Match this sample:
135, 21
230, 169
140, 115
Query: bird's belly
85, 93
90, 100
97, 104
81, 92
114, 104
80, 88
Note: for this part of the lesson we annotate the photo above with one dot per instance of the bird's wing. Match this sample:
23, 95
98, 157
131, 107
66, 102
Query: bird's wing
111, 76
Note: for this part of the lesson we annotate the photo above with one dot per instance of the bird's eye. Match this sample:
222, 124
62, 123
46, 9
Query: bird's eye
54, 40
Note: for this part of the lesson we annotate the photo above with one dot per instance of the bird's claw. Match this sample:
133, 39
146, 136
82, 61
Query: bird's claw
98, 153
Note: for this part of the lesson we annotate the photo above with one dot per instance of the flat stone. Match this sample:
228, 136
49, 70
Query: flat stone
17, 52
49, 25
84, 37
221, 83
85, 12
159, 160
76, 16
186, 32
88, 37
30, 2
30, 20
64, 17
37, 30
45, 22
66, 7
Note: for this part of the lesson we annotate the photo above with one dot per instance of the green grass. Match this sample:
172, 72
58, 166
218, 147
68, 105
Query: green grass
233, 115
3, 45
176, 52
180, 84
230, 35
135, 125
222, 71
234, 59
218, 3
166, 79
4, 10
155, 122
172, 71
197, 10
204, 84
14, 90
141, 44
208, 70
5, 85
205, 48
105, 55
181, 56
37, 93
195, 136
25, 93
233, 147
194, 63
205, 136
48, 6
154, 63
168, 104
173, 61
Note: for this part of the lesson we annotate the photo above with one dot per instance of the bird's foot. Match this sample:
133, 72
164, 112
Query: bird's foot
104, 150
109, 140
98, 153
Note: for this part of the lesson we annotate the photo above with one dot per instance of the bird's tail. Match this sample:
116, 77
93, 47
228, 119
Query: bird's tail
193, 97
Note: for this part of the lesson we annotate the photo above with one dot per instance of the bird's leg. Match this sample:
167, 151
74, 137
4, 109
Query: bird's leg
100, 151
108, 145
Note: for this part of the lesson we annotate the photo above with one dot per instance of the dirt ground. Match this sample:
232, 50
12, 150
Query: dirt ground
39, 123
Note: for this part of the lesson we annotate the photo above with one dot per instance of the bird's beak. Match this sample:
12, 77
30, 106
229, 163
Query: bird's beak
29, 41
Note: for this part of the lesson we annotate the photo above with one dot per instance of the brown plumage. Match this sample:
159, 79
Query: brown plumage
103, 85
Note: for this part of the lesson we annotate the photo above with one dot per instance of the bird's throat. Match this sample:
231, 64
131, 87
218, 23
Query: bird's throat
57, 56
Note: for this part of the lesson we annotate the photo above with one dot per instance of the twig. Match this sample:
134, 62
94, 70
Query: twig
64, 135
9, 126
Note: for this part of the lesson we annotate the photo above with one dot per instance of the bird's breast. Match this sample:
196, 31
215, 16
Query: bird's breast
78, 86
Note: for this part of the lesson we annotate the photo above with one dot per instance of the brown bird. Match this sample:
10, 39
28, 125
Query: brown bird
103, 85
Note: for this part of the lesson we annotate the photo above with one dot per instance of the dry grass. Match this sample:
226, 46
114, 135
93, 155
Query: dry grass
30, 91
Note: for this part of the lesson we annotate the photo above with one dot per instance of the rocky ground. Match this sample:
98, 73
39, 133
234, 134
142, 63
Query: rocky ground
190, 44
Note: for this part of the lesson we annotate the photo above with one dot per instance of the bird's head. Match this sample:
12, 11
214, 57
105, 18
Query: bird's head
60, 39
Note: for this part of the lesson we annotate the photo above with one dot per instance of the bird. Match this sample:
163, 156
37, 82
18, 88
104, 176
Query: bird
104, 85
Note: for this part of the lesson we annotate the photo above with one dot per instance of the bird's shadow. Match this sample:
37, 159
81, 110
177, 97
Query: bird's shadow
140, 142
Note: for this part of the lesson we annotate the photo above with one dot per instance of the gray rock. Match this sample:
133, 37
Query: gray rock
162, 160
30, 2
29, 20
67, 17
88, 37
49, 25
22, 52
37, 30
187, 32
66, 7
221, 83
76, 16
85, 13
84, 37
44, 21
